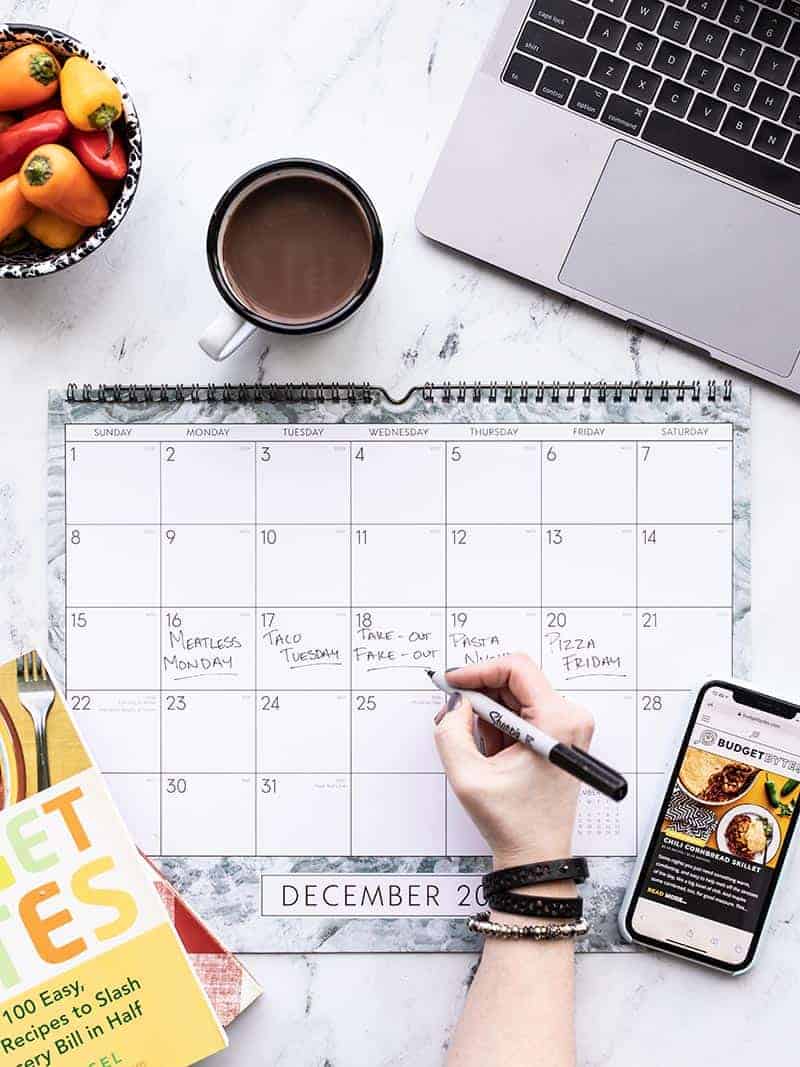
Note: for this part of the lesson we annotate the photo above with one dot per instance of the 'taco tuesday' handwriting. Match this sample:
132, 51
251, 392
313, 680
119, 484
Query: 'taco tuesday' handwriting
293, 648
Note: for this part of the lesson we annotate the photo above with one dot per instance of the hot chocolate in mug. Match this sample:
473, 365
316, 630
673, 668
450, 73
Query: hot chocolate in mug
294, 247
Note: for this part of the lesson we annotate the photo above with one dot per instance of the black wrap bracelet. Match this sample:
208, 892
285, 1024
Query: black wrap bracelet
536, 907
574, 868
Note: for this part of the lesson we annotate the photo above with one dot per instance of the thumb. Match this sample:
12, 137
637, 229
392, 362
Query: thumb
454, 737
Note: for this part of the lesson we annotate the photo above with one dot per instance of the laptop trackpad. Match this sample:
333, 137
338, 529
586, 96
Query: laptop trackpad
692, 255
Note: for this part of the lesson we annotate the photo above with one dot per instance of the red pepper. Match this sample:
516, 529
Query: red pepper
19, 140
92, 149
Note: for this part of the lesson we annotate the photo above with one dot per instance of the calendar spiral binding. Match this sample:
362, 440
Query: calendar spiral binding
365, 393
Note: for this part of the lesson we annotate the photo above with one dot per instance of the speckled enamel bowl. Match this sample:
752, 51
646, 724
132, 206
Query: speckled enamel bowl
36, 261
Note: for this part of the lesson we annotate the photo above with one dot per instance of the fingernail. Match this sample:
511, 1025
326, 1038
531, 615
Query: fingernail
452, 703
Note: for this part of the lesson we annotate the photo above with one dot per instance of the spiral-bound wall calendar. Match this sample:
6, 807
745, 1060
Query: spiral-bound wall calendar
248, 582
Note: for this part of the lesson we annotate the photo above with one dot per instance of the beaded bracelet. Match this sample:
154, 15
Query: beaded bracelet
482, 924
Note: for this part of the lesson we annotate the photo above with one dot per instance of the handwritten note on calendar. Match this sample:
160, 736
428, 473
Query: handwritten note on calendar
250, 607
250, 610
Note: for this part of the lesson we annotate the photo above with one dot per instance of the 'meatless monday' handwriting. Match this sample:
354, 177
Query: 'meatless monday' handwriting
192, 656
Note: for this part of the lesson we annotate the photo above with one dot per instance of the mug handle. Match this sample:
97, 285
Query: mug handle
225, 335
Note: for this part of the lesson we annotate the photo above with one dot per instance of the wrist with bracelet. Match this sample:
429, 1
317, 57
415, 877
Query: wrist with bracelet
504, 893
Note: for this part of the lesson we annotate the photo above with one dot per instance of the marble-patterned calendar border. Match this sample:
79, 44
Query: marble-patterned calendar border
226, 890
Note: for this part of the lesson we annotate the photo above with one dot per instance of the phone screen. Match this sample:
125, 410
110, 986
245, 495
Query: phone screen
723, 830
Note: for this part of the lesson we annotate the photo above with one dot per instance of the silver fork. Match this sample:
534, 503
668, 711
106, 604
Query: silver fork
36, 694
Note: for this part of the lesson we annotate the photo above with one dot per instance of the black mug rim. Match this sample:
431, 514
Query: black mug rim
218, 276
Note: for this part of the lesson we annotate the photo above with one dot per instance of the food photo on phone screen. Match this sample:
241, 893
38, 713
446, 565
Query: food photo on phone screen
712, 865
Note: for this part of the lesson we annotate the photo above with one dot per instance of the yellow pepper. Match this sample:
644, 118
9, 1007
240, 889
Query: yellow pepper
88, 95
53, 231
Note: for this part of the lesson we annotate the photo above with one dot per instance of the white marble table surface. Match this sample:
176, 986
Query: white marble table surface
372, 86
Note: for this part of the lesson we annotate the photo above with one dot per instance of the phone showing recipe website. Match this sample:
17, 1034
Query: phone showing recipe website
707, 876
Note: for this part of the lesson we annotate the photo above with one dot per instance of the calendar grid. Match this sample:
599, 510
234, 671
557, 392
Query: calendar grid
477, 525
160, 652
256, 708
541, 554
636, 643
350, 631
446, 625
529, 593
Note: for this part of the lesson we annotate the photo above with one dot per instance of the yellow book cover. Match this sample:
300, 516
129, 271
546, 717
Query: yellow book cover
92, 973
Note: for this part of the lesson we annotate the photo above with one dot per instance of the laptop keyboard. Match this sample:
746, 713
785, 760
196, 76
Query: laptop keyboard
713, 81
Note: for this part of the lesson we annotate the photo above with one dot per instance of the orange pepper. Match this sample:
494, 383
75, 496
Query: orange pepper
53, 231
54, 179
28, 75
15, 211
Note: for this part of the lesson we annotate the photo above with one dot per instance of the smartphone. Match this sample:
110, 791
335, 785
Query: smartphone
707, 874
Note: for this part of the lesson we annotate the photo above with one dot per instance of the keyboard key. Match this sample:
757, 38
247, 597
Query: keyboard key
674, 98
791, 8
609, 71
709, 38
794, 80
792, 114
624, 115
741, 52
771, 139
768, 101
554, 48
706, 112
671, 60
588, 100
704, 74
677, 25
522, 72
772, 3
774, 66
611, 7
606, 32
639, 46
738, 15
793, 155
739, 126
642, 85
555, 85
562, 15
708, 8
793, 41
645, 13
771, 28
736, 88
708, 150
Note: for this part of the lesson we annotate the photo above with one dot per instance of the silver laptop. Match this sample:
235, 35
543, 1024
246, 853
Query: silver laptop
642, 157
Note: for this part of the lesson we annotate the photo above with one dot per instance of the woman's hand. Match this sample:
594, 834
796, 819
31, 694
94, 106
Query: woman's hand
522, 804
525, 808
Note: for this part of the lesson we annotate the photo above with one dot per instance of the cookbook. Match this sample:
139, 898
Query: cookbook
91, 969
